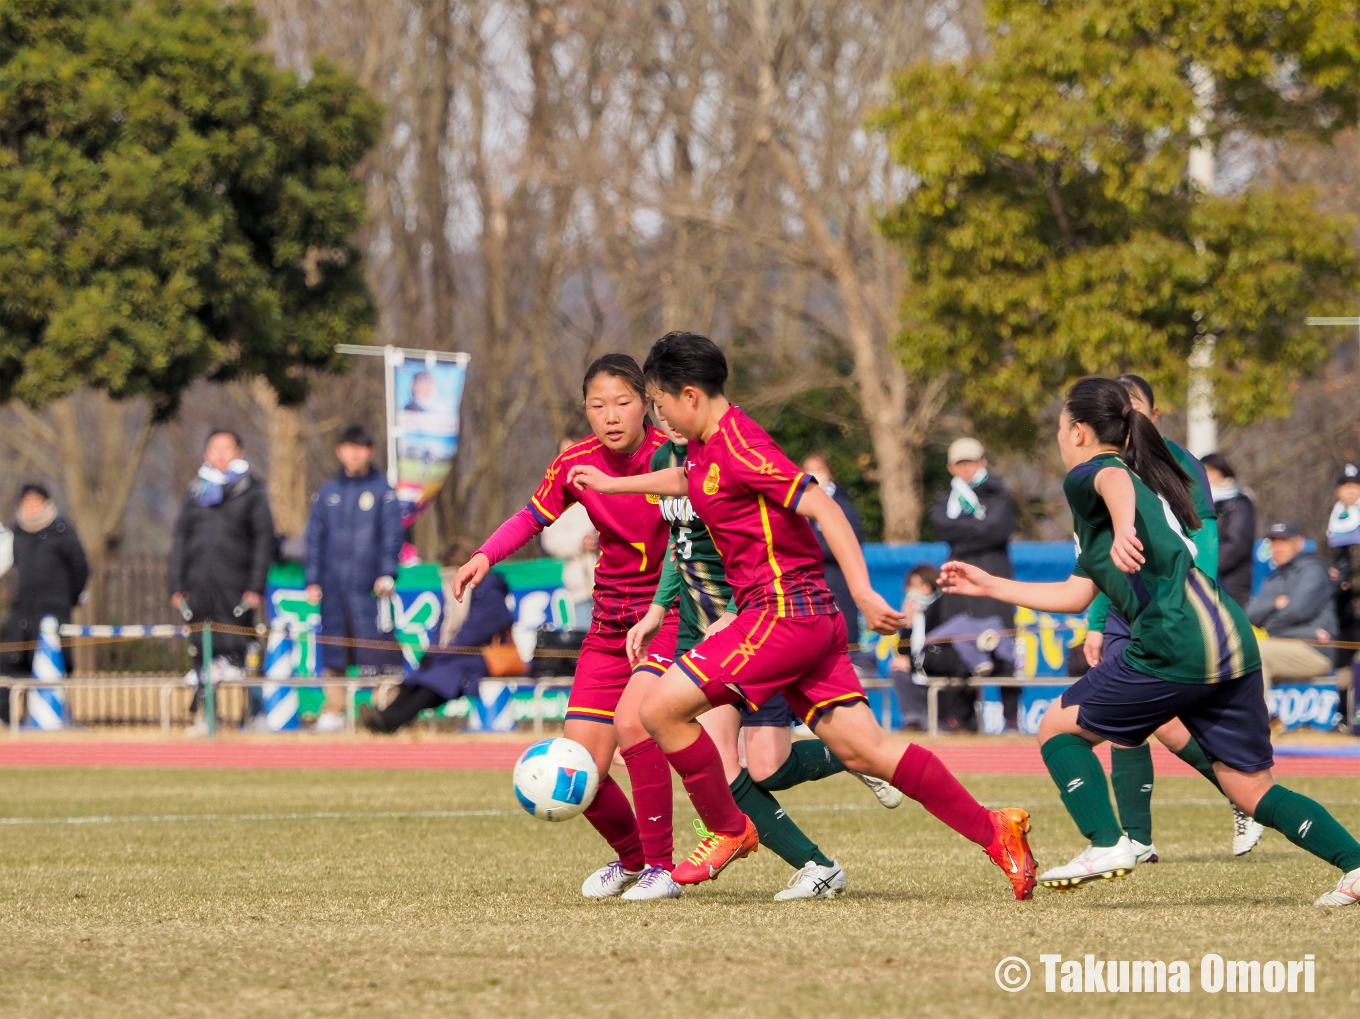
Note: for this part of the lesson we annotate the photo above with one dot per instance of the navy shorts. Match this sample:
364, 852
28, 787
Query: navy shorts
1229, 719
774, 712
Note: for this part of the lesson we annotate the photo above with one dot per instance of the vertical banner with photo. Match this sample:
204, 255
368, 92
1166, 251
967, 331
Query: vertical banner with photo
424, 393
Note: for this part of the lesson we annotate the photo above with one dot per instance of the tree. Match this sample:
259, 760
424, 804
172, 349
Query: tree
1053, 231
172, 207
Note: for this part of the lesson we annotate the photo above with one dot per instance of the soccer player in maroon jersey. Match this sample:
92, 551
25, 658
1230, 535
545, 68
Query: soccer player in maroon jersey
787, 635
607, 691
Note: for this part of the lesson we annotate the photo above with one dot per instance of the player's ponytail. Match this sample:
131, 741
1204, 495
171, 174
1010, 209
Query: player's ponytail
1104, 405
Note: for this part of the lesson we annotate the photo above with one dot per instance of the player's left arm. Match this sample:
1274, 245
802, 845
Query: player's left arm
1070, 596
840, 538
1116, 487
670, 481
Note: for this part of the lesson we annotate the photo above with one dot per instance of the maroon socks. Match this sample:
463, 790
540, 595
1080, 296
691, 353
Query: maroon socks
612, 816
922, 776
700, 768
650, 776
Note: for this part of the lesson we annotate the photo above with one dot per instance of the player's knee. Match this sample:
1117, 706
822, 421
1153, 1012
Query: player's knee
655, 714
630, 730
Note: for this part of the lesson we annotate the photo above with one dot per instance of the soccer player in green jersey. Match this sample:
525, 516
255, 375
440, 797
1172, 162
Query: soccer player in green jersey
1108, 633
695, 575
1191, 653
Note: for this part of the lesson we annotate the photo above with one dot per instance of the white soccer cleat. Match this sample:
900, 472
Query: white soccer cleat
653, 883
1145, 853
610, 880
1346, 892
1247, 831
888, 794
814, 881
1096, 863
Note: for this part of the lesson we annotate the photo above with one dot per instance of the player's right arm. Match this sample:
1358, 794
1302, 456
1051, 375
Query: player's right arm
1069, 596
840, 538
670, 481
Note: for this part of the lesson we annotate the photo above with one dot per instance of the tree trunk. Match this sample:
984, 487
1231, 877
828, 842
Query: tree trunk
287, 459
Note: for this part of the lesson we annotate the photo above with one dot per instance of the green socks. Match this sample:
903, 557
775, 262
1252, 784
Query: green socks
1307, 824
1131, 776
1192, 755
1081, 782
776, 829
808, 760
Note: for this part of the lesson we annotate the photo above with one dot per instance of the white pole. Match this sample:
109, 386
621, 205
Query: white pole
1201, 424
391, 357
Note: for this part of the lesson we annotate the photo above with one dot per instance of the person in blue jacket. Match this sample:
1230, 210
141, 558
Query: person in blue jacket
354, 536
445, 676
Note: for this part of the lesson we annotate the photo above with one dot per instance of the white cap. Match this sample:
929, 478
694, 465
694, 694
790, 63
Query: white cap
965, 449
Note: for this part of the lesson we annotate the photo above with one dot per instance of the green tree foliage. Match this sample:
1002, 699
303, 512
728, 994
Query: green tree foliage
171, 206
1053, 231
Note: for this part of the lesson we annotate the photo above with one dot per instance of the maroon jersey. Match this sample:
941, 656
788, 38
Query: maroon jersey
633, 534
746, 490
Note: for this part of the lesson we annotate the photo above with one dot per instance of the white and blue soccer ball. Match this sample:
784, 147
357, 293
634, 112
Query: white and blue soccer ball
555, 779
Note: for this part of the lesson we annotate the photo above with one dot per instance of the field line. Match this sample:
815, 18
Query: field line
317, 815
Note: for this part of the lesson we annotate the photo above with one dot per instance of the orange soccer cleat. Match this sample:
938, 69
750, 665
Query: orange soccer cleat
1010, 849
714, 853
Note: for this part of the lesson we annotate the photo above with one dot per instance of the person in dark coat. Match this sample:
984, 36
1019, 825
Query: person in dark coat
223, 547
1236, 529
977, 517
354, 539
484, 616
817, 465
51, 573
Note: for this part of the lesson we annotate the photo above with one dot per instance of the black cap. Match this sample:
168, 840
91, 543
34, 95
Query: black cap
1350, 475
33, 488
356, 435
1283, 529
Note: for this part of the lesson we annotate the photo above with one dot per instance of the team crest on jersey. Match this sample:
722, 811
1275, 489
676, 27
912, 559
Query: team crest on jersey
653, 499
711, 482
366, 502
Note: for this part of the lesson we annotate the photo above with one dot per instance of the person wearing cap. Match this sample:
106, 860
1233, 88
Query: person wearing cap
1343, 537
51, 573
354, 536
1236, 529
977, 517
1295, 608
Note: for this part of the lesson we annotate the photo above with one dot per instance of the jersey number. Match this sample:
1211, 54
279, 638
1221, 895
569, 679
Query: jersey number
642, 548
682, 543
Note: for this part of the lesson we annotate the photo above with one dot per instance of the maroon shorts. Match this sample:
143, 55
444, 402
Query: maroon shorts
603, 671
803, 657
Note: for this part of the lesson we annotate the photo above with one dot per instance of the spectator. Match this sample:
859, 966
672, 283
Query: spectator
977, 517
484, 617
51, 574
354, 536
820, 468
220, 557
1343, 536
1294, 606
573, 537
1236, 529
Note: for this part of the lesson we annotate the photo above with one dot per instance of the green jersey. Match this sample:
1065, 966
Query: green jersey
693, 568
1205, 539
1183, 629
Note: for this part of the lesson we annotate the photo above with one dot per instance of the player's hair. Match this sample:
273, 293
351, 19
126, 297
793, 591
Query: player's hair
1104, 405
1219, 464
620, 366
678, 360
927, 573
457, 552
1136, 383
235, 437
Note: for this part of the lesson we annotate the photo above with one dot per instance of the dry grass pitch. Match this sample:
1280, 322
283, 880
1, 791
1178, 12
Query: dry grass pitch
253, 893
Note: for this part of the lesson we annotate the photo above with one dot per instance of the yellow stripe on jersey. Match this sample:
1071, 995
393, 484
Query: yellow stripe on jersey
838, 699
539, 506
769, 552
689, 664
590, 711
747, 648
788, 496
1206, 629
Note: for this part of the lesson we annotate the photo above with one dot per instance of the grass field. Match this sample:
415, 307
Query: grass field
227, 893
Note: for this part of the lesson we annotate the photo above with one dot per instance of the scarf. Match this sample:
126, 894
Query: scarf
211, 487
35, 522
1343, 528
963, 500
914, 603
1224, 492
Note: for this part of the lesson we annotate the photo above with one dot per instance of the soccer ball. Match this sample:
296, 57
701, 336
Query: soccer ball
555, 779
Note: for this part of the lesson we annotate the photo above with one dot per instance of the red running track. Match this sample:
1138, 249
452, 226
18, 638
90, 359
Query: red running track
1008, 758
